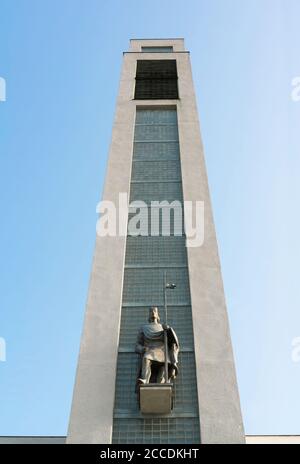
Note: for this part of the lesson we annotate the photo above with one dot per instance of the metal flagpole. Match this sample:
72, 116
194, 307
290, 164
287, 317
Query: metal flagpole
166, 287
165, 330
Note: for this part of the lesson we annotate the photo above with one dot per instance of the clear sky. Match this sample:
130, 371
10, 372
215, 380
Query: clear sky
61, 60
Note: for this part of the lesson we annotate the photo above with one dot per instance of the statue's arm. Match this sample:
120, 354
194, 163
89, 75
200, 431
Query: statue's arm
139, 347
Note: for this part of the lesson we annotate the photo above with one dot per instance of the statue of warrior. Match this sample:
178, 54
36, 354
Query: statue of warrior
151, 346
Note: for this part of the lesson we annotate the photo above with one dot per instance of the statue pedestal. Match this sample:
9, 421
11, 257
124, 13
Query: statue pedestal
156, 398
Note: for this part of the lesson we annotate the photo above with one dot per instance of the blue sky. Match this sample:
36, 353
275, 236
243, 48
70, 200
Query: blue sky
61, 60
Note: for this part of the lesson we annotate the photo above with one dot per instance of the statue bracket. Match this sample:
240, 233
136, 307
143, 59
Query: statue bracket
156, 398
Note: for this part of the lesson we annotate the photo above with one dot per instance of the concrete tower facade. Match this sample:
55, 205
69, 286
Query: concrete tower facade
156, 154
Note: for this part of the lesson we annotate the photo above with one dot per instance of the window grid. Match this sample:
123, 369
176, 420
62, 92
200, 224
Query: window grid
156, 69
156, 133
156, 251
156, 431
156, 116
144, 286
155, 151
156, 191
156, 89
156, 79
156, 176
158, 170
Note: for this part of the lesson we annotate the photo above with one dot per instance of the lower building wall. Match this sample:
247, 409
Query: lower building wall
250, 440
32, 440
273, 440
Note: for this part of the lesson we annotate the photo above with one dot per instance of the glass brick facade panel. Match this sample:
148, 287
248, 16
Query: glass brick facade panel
156, 151
143, 171
156, 133
157, 220
177, 430
156, 176
145, 286
156, 117
154, 251
156, 191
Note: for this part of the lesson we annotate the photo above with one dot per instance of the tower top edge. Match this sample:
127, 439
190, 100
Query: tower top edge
176, 43
158, 38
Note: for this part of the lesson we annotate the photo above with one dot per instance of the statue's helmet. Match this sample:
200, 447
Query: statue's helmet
153, 310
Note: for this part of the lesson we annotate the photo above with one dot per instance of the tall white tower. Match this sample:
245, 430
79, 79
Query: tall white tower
156, 154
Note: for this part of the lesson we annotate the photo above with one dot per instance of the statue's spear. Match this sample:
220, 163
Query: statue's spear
166, 287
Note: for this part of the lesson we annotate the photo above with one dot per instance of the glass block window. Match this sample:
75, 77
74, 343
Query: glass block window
155, 132
145, 286
180, 430
154, 251
156, 79
156, 117
157, 49
156, 176
156, 170
165, 221
156, 151
156, 191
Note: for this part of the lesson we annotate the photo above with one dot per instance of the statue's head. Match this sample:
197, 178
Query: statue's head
153, 314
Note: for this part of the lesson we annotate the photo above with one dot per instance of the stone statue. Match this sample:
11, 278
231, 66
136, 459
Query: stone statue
151, 346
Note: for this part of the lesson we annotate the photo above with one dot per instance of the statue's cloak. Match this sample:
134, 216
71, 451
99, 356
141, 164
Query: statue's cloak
151, 338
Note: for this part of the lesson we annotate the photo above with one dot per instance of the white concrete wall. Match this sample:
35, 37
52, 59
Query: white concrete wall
32, 440
250, 440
